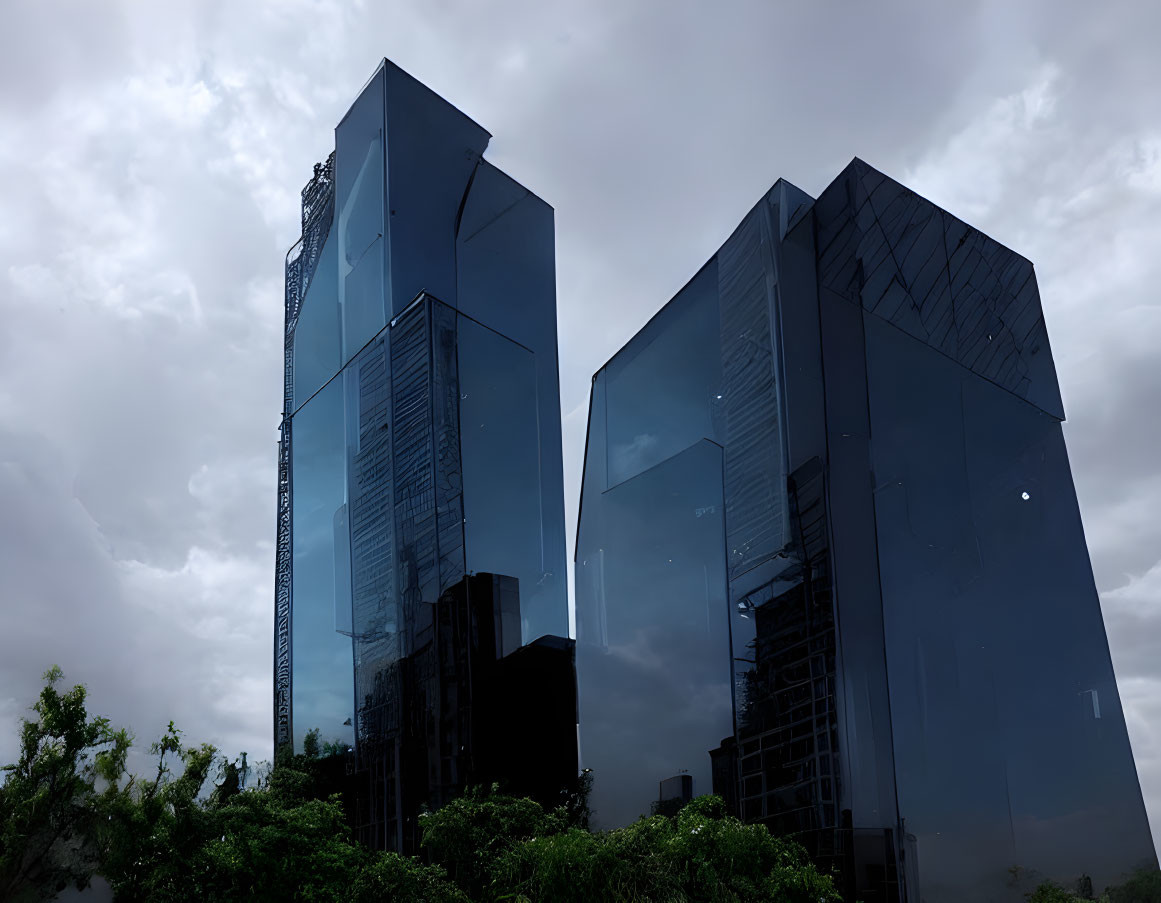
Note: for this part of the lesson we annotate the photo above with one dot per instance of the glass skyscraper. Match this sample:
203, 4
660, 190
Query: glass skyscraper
830, 563
421, 616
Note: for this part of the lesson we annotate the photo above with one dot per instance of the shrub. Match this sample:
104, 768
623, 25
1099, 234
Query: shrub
393, 877
468, 835
698, 855
1143, 887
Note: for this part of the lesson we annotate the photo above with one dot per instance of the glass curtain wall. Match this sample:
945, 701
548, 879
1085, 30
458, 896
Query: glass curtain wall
421, 479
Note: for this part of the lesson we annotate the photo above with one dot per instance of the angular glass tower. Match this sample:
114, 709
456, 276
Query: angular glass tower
421, 607
830, 563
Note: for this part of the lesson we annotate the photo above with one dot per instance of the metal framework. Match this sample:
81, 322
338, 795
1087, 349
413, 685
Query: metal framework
318, 204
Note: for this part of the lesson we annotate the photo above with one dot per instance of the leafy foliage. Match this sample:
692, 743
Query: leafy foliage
390, 876
49, 802
699, 855
1144, 886
576, 800
469, 834
1052, 893
150, 829
69, 810
199, 830
269, 850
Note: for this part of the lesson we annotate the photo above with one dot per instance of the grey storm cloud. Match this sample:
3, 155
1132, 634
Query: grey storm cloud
150, 163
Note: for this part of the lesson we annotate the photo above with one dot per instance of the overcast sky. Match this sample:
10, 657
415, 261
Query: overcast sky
151, 156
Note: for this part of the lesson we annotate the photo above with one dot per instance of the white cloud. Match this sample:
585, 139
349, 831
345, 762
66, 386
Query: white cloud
971, 173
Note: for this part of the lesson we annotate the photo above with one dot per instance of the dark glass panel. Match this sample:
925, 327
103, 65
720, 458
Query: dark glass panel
994, 635
507, 260
750, 399
363, 300
417, 577
867, 762
316, 337
588, 572
936, 278
449, 451
507, 282
321, 657
359, 206
342, 539
432, 151
375, 611
654, 685
361, 216
665, 386
504, 521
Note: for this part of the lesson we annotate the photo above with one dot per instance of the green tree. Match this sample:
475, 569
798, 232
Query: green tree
718, 858
390, 876
499, 848
266, 848
469, 835
310, 744
167, 840
1048, 892
150, 830
1143, 887
194, 831
576, 800
49, 800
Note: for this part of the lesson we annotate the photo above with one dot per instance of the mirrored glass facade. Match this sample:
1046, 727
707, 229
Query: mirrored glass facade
830, 563
421, 623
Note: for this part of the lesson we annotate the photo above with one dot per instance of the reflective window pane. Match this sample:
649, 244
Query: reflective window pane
990, 623
654, 678
664, 387
417, 576
505, 257
362, 289
375, 612
502, 485
750, 403
323, 687
361, 217
359, 206
432, 151
590, 531
316, 336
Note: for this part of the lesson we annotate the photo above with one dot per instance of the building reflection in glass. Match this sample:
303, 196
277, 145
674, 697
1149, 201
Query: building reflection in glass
469, 705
